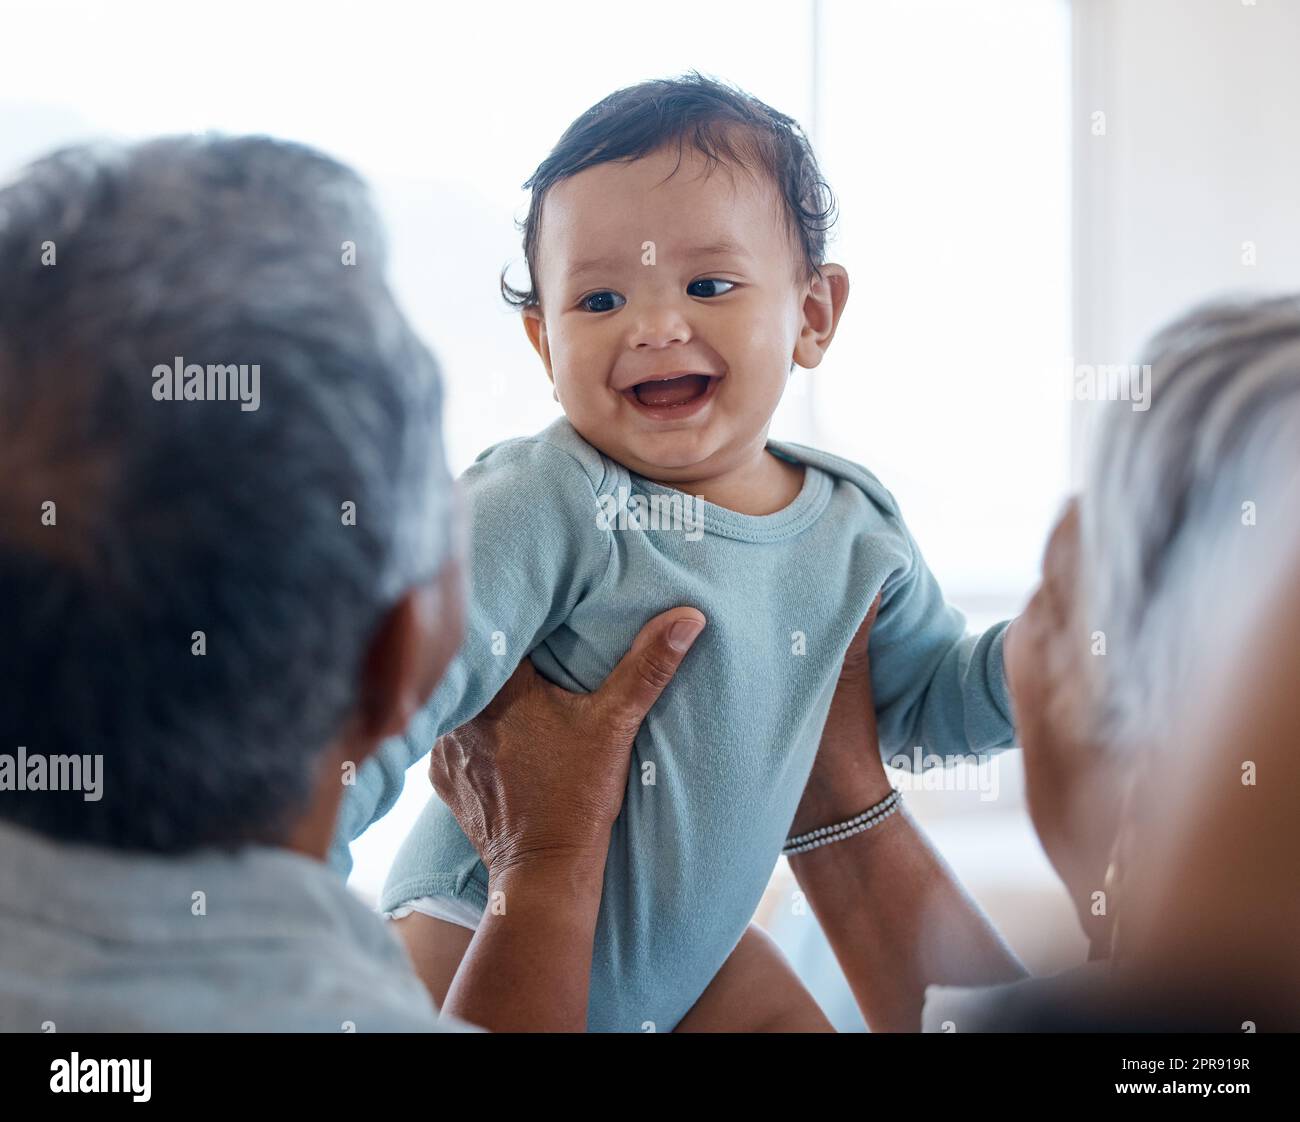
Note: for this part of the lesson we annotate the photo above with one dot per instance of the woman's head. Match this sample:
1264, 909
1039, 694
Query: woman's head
1189, 508
1154, 580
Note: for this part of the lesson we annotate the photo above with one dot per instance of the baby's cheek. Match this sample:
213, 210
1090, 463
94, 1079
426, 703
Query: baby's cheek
770, 349
583, 388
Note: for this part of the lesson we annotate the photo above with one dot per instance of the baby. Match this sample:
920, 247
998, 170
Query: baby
675, 242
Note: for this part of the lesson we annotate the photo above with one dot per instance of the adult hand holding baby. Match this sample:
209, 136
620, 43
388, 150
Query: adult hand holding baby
848, 769
541, 820
520, 806
894, 914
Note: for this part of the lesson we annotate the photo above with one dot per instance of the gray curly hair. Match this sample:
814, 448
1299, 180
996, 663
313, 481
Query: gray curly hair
180, 516
1191, 509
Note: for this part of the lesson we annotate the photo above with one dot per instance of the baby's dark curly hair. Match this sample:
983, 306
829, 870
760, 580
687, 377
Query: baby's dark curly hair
721, 121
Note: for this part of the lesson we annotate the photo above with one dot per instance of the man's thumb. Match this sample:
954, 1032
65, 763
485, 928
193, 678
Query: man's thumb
636, 682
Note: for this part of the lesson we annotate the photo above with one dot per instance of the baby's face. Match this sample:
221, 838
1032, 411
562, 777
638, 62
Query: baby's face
671, 356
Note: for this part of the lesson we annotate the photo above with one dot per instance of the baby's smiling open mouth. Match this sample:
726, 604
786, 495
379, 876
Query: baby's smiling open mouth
672, 396
672, 391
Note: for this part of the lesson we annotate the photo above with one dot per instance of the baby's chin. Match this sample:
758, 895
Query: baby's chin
669, 458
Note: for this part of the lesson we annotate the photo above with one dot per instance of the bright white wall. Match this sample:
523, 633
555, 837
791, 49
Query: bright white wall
1200, 155
944, 128
445, 108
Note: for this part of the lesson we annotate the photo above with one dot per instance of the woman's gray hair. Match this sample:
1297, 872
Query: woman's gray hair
283, 532
1191, 511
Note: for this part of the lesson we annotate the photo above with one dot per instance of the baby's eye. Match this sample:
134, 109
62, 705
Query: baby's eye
603, 301
727, 286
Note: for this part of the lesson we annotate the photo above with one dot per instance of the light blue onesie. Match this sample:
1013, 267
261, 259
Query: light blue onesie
720, 763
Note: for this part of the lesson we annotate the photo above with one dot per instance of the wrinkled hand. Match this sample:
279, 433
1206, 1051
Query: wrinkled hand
541, 772
1071, 786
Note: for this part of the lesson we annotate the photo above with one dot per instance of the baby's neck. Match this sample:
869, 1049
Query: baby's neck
763, 484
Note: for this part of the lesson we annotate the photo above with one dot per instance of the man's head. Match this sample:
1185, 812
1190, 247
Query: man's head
675, 243
223, 602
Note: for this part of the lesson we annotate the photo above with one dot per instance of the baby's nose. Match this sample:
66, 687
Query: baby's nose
659, 327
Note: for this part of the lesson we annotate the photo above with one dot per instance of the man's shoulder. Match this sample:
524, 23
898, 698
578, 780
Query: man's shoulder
309, 981
257, 939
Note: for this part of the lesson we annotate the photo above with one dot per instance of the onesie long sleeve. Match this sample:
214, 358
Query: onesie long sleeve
570, 555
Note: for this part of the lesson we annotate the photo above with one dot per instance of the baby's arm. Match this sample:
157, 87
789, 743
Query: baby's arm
935, 687
755, 991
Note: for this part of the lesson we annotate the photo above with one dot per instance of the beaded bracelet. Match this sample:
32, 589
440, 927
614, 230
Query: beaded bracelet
824, 835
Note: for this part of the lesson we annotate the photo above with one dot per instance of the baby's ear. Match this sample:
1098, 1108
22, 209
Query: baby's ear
822, 307
535, 329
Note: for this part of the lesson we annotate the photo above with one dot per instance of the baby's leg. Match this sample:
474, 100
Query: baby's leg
755, 991
435, 947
